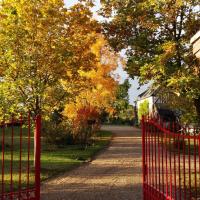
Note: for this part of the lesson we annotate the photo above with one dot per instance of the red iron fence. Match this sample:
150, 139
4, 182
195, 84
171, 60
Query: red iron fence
171, 161
20, 159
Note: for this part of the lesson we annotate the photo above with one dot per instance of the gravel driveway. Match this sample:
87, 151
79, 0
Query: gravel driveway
115, 174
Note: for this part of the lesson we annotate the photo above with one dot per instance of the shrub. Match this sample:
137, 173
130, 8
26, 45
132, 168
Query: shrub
179, 143
57, 133
85, 125
6, 146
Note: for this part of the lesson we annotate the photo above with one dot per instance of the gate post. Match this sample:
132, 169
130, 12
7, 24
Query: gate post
143, 156
37, 156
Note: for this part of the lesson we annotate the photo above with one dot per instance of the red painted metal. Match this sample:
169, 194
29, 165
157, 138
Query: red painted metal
171, 161
174, 140
179, 167
143, 153
195, 165
2, 161
11, 160
28, 161
184, 172
189, 172
20, 159
17, 153
159, 174
155, 155
162, 149
37, 157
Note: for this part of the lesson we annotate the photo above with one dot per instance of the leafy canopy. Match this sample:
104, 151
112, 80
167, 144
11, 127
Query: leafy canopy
41, 44
123, 109
100, 85
156, 36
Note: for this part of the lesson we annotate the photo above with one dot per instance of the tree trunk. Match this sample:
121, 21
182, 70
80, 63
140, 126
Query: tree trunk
197, 106
37, 112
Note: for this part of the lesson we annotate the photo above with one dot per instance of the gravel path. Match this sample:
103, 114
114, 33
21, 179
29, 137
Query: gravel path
115, 174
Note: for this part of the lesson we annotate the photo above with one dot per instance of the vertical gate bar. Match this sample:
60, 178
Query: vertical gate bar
155, 134
151, 166
152, 155
158, 135
170, 161
199, 158
150, 178
184, 173
3, 158
174, 130
20, 160
159, 168
195, 166
143, 154
28, 162
189, 167
166, 157
148, 164
163, 185
11, 160
146, 157
152, 159
37, 157
179, 167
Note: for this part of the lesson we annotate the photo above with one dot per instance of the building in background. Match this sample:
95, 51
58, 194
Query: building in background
195, 41
150, 96
153, 102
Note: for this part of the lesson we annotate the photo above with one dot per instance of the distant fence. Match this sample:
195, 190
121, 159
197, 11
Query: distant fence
20, 161
171, 161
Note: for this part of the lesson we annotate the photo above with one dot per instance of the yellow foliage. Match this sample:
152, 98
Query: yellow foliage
100, 86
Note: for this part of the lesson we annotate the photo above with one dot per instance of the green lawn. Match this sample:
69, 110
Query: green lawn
62, 159
54, 160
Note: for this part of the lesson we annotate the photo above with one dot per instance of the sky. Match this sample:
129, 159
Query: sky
133, 92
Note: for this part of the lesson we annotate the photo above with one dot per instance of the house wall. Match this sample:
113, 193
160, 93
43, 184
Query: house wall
150, 100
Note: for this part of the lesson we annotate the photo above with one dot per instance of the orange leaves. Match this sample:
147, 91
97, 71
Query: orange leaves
87, 113
100, 87
169, 50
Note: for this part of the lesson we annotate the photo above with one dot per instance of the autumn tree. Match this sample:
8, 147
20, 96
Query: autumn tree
41, 44
98, 92
156, 36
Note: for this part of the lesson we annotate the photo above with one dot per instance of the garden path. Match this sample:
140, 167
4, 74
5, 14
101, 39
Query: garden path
115, 174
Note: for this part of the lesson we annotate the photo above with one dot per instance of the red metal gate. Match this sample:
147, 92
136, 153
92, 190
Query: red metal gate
171, 161
20, 162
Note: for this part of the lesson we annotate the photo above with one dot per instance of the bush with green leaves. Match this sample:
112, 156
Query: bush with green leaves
57, 133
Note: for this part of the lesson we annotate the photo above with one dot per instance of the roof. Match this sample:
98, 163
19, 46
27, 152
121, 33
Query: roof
195, 41
151, 91
195, 37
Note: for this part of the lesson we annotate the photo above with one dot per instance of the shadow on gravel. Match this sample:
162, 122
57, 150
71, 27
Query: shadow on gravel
115, 174
83, 192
